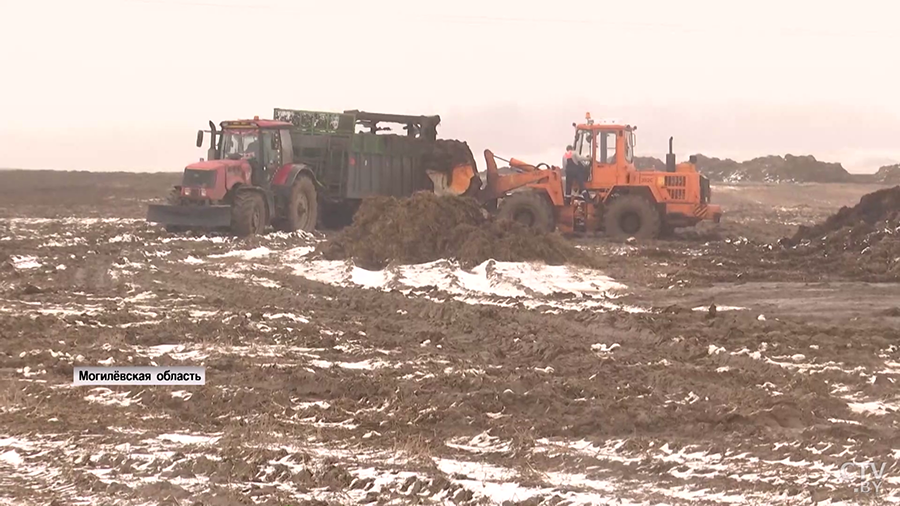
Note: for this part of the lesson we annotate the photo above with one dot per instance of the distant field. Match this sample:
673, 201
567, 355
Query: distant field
48, 193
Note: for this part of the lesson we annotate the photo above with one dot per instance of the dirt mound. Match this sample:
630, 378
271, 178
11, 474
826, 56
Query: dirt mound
426, 227
773, 169
879, 206
768, 169
649, 163
889, 174
857, 242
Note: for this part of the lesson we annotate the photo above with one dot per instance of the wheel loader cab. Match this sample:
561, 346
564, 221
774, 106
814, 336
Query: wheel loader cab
610, 147
628, 202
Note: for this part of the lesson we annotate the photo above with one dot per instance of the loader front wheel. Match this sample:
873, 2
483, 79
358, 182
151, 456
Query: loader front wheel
248, 214
302, 206
531, 209
632, 216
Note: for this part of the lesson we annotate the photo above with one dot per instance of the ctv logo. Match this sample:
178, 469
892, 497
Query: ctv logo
865, 469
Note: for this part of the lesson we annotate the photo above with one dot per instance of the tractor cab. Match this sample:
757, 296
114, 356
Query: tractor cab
265, 145
242, 152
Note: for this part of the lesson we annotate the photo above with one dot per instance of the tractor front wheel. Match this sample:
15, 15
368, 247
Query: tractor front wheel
302, 206
248, 214
632, 216
529, 208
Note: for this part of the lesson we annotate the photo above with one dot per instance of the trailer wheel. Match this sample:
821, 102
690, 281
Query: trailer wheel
530, 208
632, 216
302, 206
248, 214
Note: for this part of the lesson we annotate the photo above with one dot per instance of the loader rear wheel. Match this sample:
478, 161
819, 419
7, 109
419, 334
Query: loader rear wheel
632, 216
248, 214
531, 209
302, 206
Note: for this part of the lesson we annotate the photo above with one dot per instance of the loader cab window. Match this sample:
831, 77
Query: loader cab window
606, 147
237, 144
629, 147
583, 140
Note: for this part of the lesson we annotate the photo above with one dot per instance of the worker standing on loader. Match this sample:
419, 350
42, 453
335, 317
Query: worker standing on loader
576, 167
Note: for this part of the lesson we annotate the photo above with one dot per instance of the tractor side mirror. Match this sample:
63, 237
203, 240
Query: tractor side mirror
199, 138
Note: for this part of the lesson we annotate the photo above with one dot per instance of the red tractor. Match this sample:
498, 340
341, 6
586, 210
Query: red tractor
250, 180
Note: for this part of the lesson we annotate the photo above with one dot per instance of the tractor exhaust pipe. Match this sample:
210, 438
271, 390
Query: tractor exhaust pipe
670, 157
212, 152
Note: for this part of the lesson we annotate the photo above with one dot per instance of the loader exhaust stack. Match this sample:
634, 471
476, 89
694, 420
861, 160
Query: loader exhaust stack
670, 157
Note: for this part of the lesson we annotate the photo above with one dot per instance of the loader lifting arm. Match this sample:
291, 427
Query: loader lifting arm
498, 185
464, 180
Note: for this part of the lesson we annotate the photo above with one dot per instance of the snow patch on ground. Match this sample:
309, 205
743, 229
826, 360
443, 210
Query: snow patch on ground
259, 252
492, 282
25, 262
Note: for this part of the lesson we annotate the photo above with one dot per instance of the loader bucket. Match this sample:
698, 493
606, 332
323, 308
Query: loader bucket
458, 182
190, 216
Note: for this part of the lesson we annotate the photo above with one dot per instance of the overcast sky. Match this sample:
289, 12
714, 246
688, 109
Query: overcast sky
125, 84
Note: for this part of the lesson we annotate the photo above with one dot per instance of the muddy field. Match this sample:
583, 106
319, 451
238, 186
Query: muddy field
505, 383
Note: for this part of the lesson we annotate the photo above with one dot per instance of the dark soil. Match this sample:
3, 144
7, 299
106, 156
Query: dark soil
880, 206
309, 406
859, 242
426, 227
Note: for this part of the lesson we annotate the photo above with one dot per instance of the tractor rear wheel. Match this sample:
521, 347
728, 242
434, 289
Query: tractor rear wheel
248, 214
530, 208
302, 206
632, 216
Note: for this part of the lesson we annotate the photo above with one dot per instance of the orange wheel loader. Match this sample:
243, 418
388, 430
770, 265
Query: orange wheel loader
618, 199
